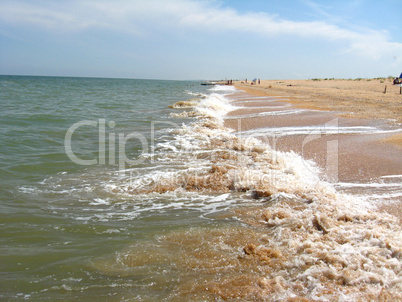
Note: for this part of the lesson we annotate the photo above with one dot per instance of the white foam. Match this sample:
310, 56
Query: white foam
214, 106
251, 98
262, 107
318, 129
369, 185
384, 197
269, 113
100, 201
28, 190
223, 88
391, 176
202, 95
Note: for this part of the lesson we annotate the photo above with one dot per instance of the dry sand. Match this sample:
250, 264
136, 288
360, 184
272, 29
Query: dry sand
354, 98
356, 102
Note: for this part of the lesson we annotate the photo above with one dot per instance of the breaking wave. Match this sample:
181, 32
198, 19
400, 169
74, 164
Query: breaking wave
298, 239
303, 241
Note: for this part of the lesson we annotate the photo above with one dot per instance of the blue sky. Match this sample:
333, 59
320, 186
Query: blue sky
196, 39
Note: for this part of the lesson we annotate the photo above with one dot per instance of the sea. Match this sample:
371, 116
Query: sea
134, 190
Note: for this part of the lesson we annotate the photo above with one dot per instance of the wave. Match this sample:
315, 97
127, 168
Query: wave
298, 237
223, 88
316, 243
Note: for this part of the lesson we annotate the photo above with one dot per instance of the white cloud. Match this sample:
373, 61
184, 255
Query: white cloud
139, 17
41, 16
371, 43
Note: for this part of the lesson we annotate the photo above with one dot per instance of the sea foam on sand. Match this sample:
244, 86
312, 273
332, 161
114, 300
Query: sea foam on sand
304, 242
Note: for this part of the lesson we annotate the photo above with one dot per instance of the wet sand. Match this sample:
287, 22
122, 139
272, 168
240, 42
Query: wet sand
344, 157
363, 98
291, 236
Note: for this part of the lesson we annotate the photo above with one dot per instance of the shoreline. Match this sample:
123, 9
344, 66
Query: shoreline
333, 221
363, 158
351, 98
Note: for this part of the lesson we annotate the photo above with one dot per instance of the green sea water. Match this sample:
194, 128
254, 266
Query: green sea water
133, 190
57, 220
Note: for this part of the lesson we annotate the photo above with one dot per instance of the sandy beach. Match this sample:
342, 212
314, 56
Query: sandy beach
349, 104
362, 98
